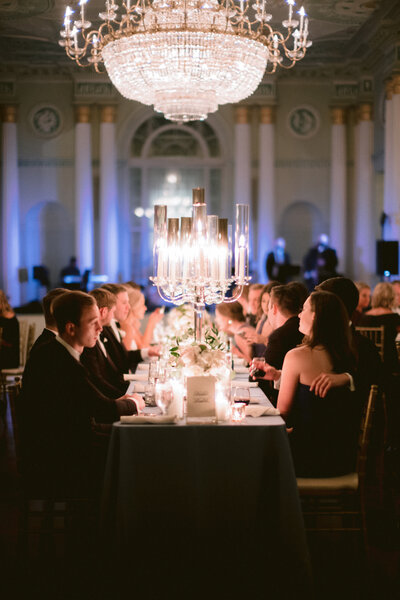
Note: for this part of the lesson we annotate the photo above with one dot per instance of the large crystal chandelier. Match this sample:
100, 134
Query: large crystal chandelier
193, 257
185, 57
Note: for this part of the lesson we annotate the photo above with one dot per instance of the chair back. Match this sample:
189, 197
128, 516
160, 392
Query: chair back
376, 335
23, 341
31, 339
365, 431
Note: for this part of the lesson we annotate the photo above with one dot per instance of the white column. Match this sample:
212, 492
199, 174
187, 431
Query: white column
242, 166
10, 233
395, 216
364, 235
242, 178
266, 189
84, 221
108, 195
338, 217
388, 187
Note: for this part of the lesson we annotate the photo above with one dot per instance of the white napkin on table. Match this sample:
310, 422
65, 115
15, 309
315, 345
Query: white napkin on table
142, 367
245, 384
136, 377
143, 418
139, 388
260, 411
241, 369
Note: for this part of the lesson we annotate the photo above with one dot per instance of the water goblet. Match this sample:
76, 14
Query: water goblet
241, 395
164, 397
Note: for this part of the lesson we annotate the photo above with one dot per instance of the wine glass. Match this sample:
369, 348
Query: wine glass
241, 394
164, 397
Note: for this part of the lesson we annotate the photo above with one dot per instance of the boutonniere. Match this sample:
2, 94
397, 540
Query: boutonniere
105, 340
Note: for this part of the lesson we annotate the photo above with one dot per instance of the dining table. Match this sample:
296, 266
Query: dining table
204, 510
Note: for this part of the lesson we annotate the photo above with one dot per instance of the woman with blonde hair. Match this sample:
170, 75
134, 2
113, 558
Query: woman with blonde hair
134, 339
9, 335
382, 313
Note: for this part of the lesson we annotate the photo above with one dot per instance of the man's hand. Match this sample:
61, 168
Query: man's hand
325, 381
138, 400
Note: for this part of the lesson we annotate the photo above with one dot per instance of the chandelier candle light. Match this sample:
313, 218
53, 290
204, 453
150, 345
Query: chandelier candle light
192, 259
185, 57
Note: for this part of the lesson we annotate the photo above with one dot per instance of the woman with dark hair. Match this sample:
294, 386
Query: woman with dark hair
230, 319
9, 338
324, 433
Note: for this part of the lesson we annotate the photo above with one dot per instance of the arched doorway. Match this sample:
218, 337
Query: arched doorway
166, 161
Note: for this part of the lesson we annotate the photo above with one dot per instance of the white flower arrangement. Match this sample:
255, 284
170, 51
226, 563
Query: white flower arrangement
178, 320
206, 358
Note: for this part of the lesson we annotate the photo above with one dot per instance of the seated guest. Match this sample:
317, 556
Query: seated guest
284, 306
58, 403
103, 372
381, 313
133, 338
243, 298
396, 288
324, 435
9, 338
364, 298
259, 337
112, 336
253, 304
50, 330
230, 319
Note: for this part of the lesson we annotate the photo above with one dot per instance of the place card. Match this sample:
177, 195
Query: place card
201, 396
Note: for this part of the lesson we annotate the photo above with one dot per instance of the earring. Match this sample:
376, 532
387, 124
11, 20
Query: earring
230, 322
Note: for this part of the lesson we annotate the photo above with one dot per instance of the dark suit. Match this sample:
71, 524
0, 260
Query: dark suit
103, 372
123, 359
282, 340
56, 408
44, 338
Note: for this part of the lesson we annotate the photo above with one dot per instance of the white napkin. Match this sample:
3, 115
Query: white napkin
260, 411
241, 369
143, 367
136, 377
143, 418
245, 384
238, 361
139, 388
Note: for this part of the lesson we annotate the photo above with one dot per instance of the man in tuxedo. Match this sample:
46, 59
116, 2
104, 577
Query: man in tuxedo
320, 262
284, 306
58, 403
103, 372
112, 336
50, 330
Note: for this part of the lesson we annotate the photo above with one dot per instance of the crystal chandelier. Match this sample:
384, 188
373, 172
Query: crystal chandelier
185, 57
193, 257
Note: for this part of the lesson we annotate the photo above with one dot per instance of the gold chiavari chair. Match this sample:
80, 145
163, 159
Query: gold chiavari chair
339, 503
376, 335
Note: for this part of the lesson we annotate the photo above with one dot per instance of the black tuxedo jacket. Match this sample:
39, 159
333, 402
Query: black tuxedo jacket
57, 405
103, 372
44, 338
282, 340
123, 359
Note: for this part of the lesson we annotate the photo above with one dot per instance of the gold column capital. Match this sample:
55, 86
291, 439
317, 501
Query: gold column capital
389, 89
9, 113
83, 113
267, 115
396, 83
108, 114
365, 111
338, 115
242, 115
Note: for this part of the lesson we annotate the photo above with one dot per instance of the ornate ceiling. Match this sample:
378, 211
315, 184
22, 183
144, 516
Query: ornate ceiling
345, 33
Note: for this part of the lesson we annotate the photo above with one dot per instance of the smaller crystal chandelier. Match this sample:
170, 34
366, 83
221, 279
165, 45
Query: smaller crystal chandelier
186, 57
193, 258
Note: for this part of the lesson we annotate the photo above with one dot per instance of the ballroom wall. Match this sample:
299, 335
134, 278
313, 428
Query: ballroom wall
302, 165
